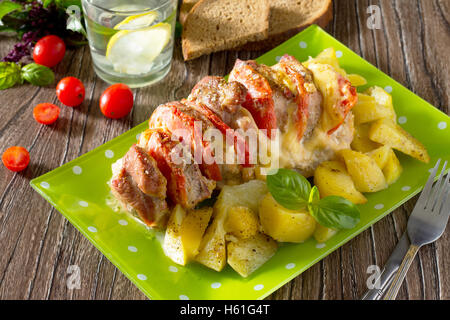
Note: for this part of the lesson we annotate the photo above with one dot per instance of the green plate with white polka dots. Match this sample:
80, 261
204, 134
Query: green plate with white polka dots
80, 192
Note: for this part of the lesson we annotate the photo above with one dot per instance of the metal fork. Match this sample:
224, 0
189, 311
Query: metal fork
426, 224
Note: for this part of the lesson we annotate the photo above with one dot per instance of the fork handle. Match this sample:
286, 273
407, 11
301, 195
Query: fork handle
401, 273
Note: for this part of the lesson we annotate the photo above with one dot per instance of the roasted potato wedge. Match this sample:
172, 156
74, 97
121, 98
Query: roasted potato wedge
242, 222
213, 247
364, 171
327, 56
247, 255
387, 132
368, 109
332, 179
173, 245
245, 195
380, 155
285, 225
392, 169
384, 100
361, 141
184, 233
323, 234
356, 80
212, 252
373, 105
193, 228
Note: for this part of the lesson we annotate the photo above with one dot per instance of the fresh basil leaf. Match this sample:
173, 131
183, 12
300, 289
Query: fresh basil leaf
38, 75
9, 75
314, 196
289, 188
8, 7
335, 212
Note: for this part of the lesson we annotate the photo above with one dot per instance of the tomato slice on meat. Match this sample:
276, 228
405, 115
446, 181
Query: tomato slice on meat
160, 146
171, 117
292, 68
239, 142
348, 101
259, 100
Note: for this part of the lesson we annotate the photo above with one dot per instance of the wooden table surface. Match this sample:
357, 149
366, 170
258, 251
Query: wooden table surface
37, 244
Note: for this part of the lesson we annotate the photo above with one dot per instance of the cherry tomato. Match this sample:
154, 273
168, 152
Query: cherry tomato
49, 51
16, 158
117, 101
46, 113
70, 91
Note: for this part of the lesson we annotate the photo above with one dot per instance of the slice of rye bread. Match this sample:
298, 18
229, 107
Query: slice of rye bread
289, 17
215, 25
186, 6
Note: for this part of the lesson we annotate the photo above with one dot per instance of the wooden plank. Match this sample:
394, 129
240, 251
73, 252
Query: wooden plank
39, 245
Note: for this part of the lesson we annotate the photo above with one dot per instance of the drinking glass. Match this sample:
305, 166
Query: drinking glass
131, 41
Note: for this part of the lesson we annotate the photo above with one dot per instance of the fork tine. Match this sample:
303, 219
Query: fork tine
427, 189
445, 199
440, 200
437, 189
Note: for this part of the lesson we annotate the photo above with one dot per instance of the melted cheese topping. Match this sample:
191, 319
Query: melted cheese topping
306, 154
326, 79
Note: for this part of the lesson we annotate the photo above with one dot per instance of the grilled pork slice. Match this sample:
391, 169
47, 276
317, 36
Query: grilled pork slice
153, 211
144, 171
225, 99
314, 122
185, 183
217, 98
178, 118
280, 95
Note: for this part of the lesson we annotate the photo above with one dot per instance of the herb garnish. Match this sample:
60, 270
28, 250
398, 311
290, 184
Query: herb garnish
36, 74
293, 191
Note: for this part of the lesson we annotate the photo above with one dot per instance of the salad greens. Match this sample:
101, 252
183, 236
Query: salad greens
9, 75
36, 74
293, 191
289, 189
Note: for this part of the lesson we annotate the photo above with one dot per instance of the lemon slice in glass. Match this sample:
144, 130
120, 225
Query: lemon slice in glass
137, 21
133, 51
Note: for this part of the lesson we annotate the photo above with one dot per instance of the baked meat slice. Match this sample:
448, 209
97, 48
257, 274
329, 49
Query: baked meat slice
143, 169
223, 98
178, 118
280, 95
186, 184
213, 95
153, 211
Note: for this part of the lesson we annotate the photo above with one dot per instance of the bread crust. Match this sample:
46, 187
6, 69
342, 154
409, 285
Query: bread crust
322, 20
189, 54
